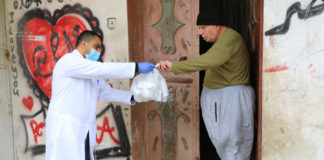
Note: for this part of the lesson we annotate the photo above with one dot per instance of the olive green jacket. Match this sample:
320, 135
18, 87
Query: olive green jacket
226, 63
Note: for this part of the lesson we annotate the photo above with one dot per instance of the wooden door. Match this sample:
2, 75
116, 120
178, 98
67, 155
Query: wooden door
254, 21
158, 30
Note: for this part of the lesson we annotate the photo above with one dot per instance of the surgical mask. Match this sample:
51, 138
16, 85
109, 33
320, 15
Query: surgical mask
93, 55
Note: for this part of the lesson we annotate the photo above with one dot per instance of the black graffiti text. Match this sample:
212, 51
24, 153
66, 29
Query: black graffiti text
308, 12
14, 70
27, 3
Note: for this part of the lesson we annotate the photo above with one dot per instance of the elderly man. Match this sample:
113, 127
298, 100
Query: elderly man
227, 99
76, 86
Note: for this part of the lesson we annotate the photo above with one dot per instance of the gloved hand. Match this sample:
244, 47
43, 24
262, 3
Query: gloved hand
145, 67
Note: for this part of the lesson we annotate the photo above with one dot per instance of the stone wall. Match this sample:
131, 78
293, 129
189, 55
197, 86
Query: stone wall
6, 139
293, 80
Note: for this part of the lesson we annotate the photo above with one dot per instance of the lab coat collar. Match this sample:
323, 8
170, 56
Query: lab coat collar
76, 52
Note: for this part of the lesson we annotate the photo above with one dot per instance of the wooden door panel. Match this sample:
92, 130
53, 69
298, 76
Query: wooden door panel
166, 130
254, 21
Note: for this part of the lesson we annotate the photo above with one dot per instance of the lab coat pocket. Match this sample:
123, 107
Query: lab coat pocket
69, 128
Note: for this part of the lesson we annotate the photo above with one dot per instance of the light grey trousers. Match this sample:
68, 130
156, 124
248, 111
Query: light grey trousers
228, 116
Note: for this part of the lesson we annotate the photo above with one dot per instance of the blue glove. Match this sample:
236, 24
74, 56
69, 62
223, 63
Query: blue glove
145, 67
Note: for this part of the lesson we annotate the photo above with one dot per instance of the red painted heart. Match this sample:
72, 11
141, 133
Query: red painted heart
46, 38
28, 102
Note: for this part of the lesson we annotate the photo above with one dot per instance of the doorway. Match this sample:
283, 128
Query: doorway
146, 44
246, 17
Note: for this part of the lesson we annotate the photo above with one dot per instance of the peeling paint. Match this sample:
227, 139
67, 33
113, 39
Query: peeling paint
156, 140
7, 55
184, 142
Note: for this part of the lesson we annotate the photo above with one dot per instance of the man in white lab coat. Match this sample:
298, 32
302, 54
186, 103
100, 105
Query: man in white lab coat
76, 86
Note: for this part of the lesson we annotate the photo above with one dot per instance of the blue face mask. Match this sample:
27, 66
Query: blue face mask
93, 55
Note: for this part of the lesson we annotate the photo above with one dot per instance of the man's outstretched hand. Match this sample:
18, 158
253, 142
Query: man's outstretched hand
165, 66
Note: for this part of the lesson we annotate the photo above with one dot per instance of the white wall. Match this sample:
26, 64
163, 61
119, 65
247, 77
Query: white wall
30, 93
6, 139
293, 81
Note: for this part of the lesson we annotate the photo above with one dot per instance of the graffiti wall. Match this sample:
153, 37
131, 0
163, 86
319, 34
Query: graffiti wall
293, 80
39, 33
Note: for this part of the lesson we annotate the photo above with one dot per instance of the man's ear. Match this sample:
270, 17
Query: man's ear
83, 45
218, 28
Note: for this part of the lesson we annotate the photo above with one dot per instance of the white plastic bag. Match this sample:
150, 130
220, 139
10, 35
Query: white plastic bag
150, 86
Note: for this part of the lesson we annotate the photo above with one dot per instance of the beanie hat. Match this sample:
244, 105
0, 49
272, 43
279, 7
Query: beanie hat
210, 16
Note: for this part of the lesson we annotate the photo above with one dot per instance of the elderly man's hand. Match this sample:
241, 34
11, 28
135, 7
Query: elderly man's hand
165, 66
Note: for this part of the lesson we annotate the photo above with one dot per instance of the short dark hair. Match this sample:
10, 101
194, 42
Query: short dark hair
87, 36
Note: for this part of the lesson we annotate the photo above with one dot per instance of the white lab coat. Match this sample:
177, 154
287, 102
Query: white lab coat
76, 86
